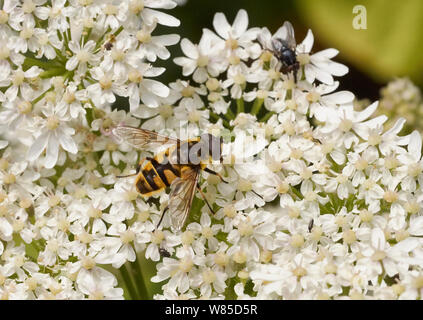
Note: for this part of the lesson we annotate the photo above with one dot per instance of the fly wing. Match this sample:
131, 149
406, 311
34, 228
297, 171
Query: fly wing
286, 35
141, 138
277, 46
182, 191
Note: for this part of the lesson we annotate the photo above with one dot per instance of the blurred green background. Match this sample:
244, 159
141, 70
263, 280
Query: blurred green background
390, 47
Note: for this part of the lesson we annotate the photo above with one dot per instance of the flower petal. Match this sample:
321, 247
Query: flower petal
240, 24
52, 152
38, 146
221, 25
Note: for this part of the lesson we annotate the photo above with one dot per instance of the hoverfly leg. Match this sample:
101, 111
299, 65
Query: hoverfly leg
216, 174
204, 198
137, 170
161, 218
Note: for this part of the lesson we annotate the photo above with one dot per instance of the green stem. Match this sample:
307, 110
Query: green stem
29, 62
69, 30
41, 96
239, 106
52, 72
139, 279
257, 106
60, 56
89, 115
100, 40
128, 282
87, 34
297, 193
65, 39
69, 75
118, 31
59, 35
215, 117
267, 116
229, 114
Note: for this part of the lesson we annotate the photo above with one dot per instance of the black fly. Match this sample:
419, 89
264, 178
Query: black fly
164, 253
109, 44
310, 225
283, 47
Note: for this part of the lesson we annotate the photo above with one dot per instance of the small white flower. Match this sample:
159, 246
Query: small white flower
98, 284
108, 85
202, 59
319, 65
145, 10
83, 55
20, 83
54, 133
148, 90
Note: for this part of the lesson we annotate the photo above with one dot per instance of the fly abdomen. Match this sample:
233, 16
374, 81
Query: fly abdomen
148, 181
166, 171
157, 174
143, 186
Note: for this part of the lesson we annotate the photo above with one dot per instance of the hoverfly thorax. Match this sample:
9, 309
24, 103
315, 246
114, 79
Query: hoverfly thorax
200, 151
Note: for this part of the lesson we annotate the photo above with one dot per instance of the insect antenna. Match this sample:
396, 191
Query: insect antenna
216, 174
137, 170
129, 175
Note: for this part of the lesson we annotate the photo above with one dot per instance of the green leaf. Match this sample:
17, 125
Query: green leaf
391, 45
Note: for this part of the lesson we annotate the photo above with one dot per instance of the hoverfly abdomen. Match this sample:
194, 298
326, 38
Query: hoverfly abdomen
143, 187
166, 171
157, 174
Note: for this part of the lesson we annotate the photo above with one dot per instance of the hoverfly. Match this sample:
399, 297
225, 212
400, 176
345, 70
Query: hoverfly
283, 47
178, 167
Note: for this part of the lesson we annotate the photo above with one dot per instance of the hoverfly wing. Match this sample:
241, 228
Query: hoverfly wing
182, 191
141, 138
286, 35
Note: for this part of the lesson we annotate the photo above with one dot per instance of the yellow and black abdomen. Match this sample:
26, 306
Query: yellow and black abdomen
156, 175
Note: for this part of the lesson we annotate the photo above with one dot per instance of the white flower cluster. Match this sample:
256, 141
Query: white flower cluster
62, 64
322, 202
402, 98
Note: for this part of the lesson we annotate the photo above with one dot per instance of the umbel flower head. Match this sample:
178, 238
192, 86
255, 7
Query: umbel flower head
322, 200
